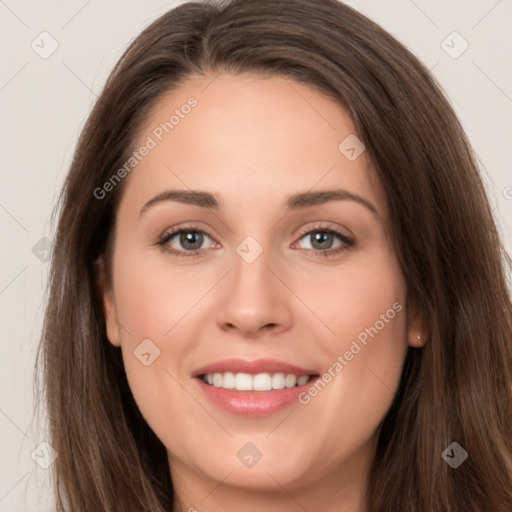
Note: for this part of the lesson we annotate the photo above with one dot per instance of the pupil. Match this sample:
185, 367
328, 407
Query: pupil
189, 238
321, 237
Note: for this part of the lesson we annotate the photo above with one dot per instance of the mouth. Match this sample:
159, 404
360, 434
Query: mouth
253, 388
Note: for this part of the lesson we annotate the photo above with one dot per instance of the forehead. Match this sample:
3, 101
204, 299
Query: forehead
249, 139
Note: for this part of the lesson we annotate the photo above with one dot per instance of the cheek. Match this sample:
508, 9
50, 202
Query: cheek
363, 299
153, 297
152, 305
363, 358
158, 305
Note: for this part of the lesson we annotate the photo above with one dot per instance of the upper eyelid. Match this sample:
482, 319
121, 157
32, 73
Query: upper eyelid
325, 226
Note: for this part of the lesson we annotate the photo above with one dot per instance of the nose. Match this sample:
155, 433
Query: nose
255, 300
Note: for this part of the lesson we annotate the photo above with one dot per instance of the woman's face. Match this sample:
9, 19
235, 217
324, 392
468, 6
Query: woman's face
253, 294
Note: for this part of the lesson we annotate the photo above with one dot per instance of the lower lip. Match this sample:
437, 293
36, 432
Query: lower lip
253, 403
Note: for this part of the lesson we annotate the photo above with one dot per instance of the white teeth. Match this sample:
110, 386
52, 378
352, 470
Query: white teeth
278, 380
290, 381
259, 382
228, 381
243, 382
302, 380
217, 380
262, 382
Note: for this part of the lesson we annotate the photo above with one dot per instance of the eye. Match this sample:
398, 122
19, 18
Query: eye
321, 240
190, 241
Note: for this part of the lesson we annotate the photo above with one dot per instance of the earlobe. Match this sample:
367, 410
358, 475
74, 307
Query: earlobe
104, 289
417, 340
417, 331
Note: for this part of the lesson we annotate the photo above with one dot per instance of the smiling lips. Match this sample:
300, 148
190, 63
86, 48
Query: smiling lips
253, 388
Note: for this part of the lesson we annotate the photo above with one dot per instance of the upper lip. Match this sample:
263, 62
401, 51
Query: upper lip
252, 367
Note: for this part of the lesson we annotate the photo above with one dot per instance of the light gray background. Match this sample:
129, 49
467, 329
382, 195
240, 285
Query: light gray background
44, 103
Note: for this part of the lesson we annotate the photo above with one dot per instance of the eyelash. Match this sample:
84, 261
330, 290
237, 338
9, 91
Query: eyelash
166, 237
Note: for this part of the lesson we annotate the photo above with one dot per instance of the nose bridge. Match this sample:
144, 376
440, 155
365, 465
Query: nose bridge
252, 264
254, 297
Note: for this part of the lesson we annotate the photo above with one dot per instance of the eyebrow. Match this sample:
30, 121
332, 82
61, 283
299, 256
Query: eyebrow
294, 202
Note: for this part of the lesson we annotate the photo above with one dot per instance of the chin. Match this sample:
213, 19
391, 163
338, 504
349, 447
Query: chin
259, 463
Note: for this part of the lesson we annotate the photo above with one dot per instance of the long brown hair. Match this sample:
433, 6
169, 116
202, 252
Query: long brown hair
455, 389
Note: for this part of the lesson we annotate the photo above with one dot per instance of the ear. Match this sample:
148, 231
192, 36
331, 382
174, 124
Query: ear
104, 287
417, 330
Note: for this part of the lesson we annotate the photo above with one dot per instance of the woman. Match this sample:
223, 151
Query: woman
372, 373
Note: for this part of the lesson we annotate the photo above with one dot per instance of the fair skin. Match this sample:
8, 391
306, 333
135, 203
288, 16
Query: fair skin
253, 142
